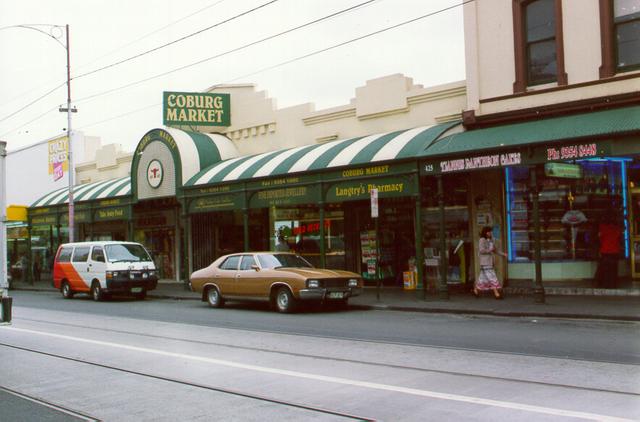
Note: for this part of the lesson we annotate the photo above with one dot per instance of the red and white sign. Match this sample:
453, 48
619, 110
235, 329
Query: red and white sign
155, 173
58, 171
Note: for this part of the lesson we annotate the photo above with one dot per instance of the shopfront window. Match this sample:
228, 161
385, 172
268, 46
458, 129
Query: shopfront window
573, 198
457, 236
297, 229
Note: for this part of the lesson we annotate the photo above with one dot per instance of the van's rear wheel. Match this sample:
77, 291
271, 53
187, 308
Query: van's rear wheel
66, 291
96, 292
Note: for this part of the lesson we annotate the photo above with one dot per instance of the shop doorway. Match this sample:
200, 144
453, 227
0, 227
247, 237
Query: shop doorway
394, 239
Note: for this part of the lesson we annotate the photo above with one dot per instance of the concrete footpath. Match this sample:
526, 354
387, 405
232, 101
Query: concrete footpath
590, 305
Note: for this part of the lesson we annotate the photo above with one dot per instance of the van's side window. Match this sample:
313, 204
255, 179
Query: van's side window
81, 254
97, 254
65, 255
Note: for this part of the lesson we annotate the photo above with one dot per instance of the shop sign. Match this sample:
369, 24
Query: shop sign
110, 202
196, 109
481, 162
44, 220
58, 150
568, 171
78, 217
153, 136
361, 190
371, 171
294, 195
114, 213
310, 228
155, 219
571, 152
17, 233
155, 173
216, 203
39, 211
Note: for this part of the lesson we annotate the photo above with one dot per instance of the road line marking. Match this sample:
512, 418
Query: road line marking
337, 380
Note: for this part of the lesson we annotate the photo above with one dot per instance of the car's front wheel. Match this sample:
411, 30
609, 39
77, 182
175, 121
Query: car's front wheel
285, 302
214, 298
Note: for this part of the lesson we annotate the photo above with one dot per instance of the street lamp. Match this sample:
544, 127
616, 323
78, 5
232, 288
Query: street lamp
67, 109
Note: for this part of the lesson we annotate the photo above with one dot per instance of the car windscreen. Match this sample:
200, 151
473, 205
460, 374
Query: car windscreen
126, 253
283, 260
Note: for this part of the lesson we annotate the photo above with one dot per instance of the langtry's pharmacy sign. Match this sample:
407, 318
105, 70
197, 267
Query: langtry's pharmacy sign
196, 109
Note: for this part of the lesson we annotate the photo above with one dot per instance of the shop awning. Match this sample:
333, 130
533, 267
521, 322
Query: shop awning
97, 190
608, 123
349, 152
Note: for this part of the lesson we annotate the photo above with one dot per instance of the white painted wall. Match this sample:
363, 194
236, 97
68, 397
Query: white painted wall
383, 104
28, 176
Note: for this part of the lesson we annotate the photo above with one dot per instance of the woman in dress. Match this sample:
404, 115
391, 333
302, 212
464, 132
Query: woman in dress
487, 279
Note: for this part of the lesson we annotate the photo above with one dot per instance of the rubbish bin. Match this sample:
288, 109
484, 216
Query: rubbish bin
5, 311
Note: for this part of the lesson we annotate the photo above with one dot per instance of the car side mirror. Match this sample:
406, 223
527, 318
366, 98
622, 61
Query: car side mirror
255, 267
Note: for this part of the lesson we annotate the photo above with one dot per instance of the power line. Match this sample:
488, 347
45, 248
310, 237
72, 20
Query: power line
32, 102
389, 28
144, 53
285, 62
30, 121
263, 69
234, 50
150, 33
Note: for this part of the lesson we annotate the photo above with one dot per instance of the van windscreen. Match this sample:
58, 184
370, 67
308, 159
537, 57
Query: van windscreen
126, 253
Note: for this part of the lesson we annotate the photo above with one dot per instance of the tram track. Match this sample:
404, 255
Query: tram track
366, 363
173, 380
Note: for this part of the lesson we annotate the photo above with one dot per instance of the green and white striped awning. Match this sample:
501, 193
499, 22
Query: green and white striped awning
90, 191
349, 152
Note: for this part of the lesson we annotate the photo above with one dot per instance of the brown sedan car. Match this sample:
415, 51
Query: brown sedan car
284, 279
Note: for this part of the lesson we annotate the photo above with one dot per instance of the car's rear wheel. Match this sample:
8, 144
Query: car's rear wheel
96, 292
66, 291
214, 298
285, 302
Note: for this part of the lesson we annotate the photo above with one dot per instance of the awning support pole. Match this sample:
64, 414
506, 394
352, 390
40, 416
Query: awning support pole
417, 224
323, 259
245, 221
443, 290
538, 290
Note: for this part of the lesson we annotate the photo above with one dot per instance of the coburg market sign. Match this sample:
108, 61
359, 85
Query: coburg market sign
196, 109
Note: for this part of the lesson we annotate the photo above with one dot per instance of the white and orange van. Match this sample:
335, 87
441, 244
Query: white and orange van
102, 268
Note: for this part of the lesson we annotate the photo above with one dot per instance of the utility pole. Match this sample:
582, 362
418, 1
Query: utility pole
4, 284
69, 110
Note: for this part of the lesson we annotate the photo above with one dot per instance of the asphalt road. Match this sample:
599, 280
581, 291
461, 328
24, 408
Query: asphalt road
603, 341
168, 360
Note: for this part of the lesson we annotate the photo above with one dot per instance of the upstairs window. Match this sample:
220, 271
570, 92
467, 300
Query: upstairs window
538, 43
541, 42
626, 22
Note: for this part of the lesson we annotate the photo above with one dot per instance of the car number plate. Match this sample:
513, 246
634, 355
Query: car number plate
136, 289
336, 295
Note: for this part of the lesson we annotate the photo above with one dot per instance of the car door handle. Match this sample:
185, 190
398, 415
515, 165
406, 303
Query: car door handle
237, 275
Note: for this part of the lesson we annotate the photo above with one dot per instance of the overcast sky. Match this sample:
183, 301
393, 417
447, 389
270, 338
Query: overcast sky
430, 50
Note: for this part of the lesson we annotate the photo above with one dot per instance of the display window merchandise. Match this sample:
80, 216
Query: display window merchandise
573, 199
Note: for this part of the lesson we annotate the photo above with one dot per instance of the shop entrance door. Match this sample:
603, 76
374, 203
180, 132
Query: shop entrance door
161, 243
